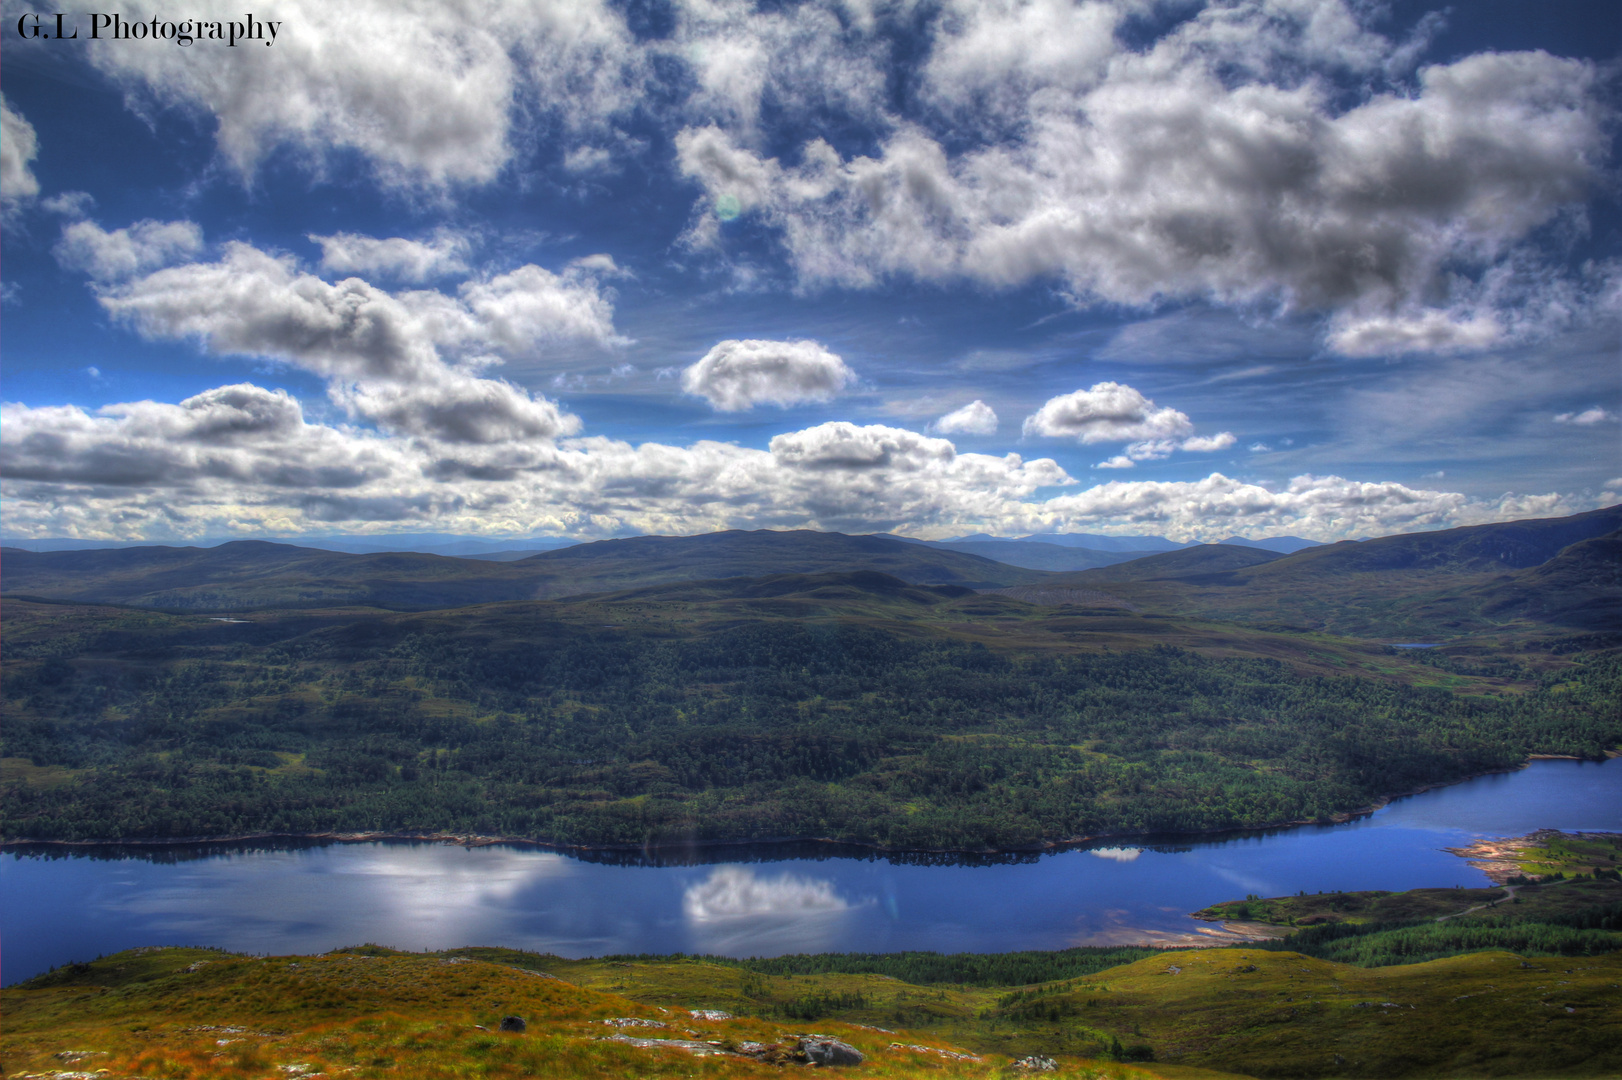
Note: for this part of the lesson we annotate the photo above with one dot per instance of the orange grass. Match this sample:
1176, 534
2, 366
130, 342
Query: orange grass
176, 1014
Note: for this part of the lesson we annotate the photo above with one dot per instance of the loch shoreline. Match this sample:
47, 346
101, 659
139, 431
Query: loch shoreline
677, 851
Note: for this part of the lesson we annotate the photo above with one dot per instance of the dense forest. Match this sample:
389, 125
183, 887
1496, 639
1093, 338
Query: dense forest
139, 725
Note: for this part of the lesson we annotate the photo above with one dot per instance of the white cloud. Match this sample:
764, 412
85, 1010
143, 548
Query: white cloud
532, 307
243, 460
1206, 166
975, 418
1108, 412
19, 144
123, 253
1115, 412
395, 257
406, 361
738, 375
587, 159
426, 93
1595, 415
205, 446
994, 56
798, 58
70, 204
1206, 444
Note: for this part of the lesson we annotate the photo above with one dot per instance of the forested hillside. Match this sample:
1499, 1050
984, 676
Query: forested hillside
539, 720
915, 710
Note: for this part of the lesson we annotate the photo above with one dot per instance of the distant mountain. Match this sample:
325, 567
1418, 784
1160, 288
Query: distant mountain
427, 543
256, 574
1100, 542
1034, 555
1286, 545
1471, 549
1030, 554
246, 574
1195, 565
609, 564
1431, 586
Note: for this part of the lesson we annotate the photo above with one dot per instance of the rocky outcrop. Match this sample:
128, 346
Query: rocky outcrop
825, 1050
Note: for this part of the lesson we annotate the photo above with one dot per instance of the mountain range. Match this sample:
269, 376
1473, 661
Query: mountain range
1468, 580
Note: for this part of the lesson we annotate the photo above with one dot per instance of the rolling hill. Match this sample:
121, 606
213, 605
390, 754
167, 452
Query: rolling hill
1537, 576
249, 574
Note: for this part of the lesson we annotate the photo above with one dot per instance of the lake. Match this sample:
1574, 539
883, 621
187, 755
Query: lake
63, 904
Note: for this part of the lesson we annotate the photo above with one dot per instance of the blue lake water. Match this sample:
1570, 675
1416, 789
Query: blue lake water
57, 906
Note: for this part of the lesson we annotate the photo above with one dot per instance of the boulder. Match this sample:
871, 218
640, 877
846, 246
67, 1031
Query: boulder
821, 1050
513, 1023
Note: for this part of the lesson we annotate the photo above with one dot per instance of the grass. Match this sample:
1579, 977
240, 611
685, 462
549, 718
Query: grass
180, 1013
23, 772
1204, 1015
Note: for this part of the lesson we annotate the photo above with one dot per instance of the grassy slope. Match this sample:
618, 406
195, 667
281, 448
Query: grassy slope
1240, 1011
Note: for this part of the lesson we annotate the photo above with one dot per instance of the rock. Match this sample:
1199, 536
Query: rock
821, 1050
1036, 1063
513, 1023
710, 1014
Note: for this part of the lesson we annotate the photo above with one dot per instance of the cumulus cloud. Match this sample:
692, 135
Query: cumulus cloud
1587, 417
426, 93
1206, 444
975, 418
1115, 412
743, 57
394, 257
206, 445
18, 146
1108, 412
243, 459
123, 253
1205, 166
738, 375
407, 361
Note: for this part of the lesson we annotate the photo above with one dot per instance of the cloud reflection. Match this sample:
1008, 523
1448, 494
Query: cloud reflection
409, 896
732, 892
736, 913
1117, 854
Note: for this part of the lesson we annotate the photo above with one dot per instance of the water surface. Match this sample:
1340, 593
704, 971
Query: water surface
57, 906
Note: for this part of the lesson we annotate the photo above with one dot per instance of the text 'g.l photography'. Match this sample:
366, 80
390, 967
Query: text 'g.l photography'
115, 27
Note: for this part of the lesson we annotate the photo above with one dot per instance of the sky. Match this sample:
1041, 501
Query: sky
588, 269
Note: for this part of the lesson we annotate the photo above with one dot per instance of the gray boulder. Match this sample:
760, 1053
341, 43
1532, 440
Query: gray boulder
821, 1050
513, 1023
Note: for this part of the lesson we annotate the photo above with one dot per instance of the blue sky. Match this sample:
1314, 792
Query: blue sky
565, 268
